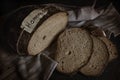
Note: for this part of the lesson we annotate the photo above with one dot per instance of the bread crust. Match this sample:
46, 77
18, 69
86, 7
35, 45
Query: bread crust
113, 53
98, 60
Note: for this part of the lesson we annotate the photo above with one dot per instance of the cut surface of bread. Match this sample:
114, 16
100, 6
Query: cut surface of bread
98, 60
111, 48
74, 47
46, 32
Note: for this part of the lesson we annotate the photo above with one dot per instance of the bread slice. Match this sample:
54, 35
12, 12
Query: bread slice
113, 54
47, 31
74, 48
98, 60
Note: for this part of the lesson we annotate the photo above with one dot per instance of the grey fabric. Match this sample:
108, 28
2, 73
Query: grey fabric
39, 67
108, 19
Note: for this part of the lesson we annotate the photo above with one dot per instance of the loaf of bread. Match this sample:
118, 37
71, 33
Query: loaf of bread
113, 54
98, 60
31, 29
74, 48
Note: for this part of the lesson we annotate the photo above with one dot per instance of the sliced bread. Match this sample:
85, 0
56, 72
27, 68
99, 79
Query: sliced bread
74, 48
111, 48
47, 31
98, 60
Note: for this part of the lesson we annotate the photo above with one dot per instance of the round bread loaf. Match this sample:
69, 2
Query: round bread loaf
74, 48
98, 60
30, 30
113, 54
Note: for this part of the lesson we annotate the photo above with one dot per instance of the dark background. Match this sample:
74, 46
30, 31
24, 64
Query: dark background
7, 6
112, 71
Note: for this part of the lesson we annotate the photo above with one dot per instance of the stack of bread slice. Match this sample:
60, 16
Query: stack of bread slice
79, 51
